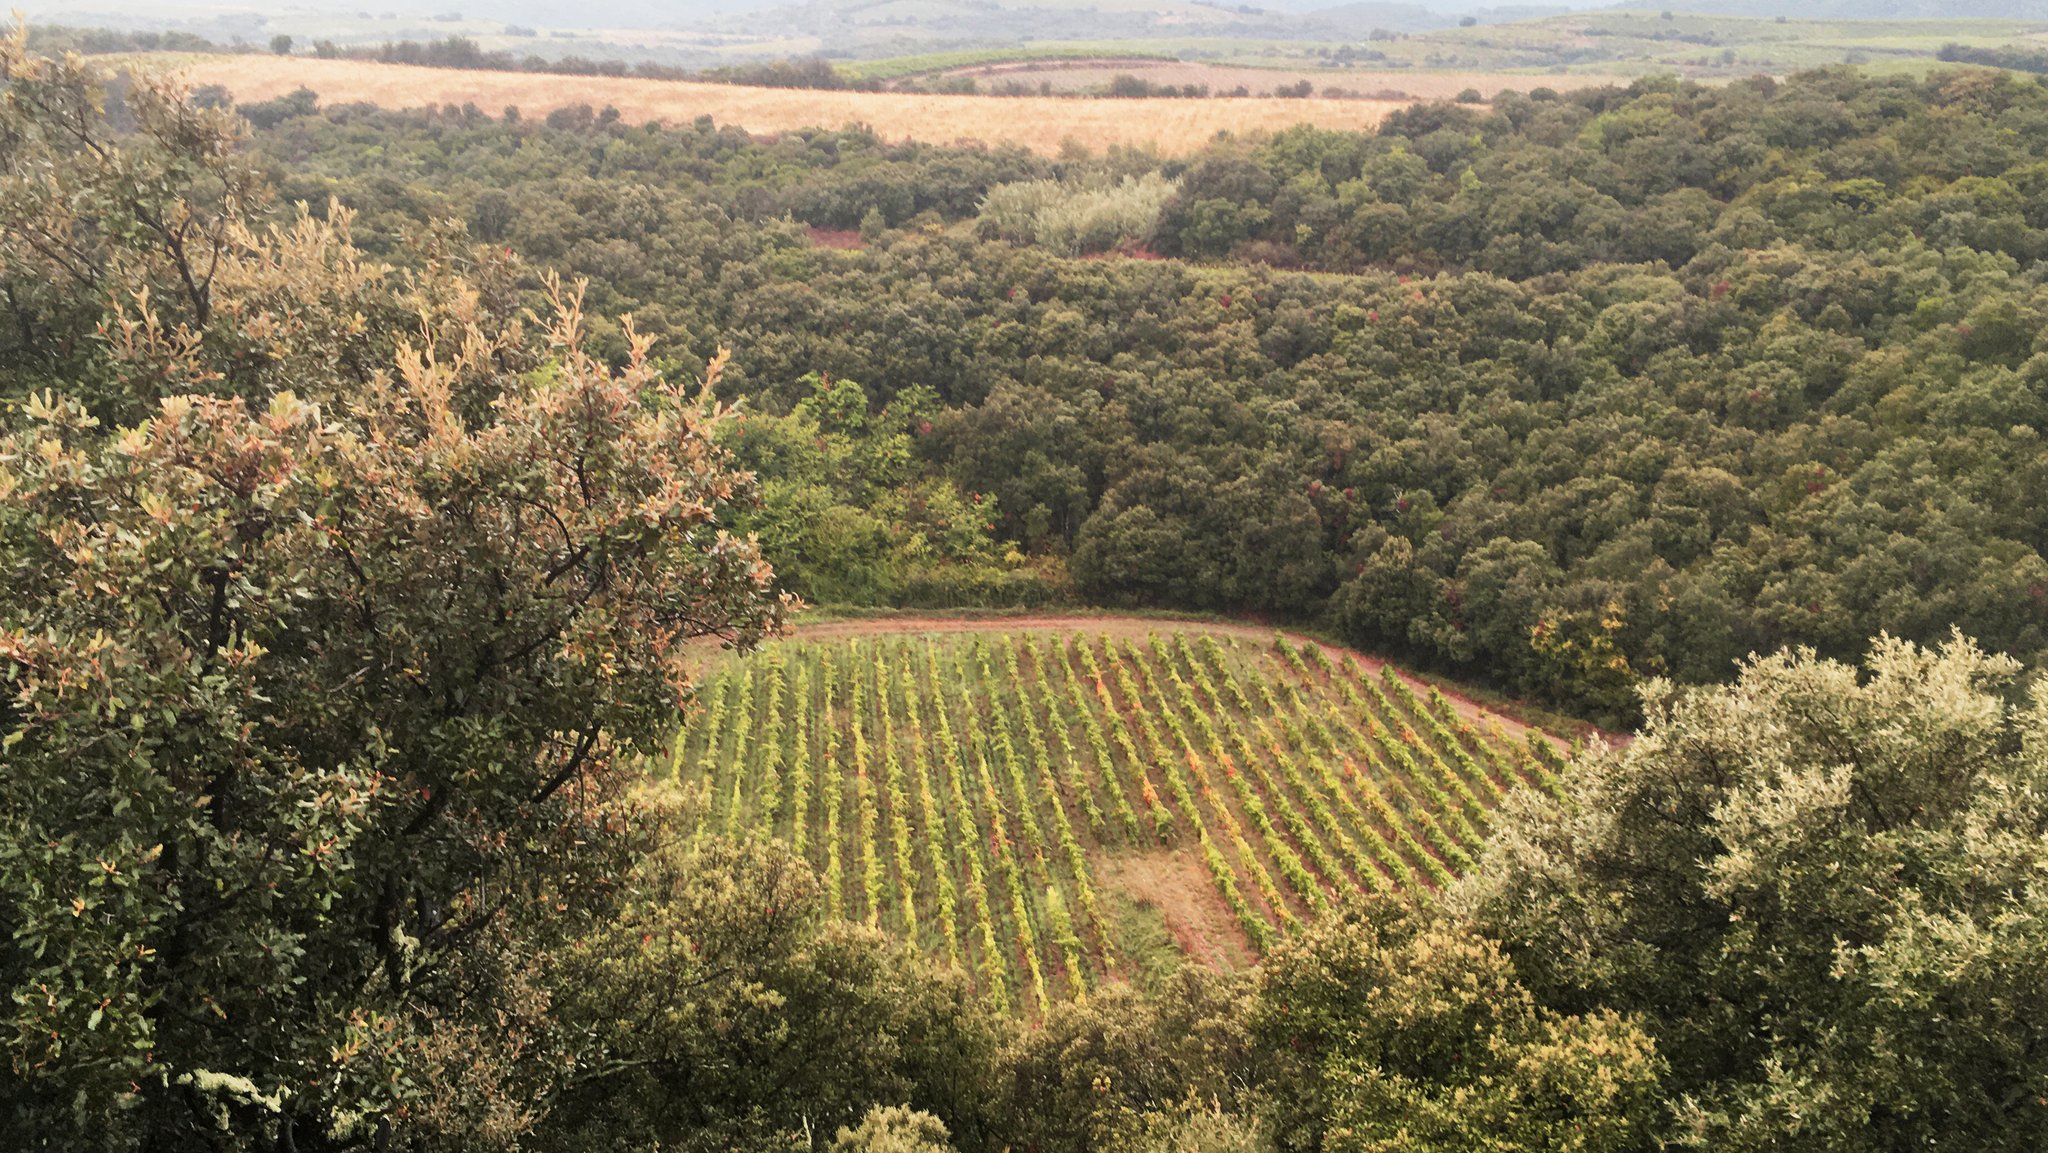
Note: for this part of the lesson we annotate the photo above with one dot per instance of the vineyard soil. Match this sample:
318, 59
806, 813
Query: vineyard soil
1173, 884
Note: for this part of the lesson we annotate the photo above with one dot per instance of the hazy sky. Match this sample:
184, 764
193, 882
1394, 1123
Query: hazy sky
608, 13
222, 19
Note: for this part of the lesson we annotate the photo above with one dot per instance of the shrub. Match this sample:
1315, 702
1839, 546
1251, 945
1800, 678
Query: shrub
1076, 217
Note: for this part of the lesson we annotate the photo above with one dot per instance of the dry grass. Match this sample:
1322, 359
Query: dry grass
1042, 124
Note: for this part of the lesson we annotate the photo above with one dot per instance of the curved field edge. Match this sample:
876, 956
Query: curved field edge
1061, 803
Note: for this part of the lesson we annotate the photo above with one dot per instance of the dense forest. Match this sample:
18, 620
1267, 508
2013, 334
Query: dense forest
357, 555
1561, 392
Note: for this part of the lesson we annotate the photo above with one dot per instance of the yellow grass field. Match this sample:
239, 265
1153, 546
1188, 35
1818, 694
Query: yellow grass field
1042, 124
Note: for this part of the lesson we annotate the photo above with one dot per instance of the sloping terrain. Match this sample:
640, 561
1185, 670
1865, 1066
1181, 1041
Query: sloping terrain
1004, 798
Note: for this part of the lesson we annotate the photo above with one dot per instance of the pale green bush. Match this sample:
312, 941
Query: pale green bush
1073, 217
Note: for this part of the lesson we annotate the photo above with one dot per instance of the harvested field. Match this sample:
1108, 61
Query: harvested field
1042, 124
1383, 83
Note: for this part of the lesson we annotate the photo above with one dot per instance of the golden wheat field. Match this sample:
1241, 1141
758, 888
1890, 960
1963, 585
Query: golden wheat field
1042, 124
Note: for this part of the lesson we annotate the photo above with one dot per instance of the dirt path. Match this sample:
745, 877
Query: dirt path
1125, 626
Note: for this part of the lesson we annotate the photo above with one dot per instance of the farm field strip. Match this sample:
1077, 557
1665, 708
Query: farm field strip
1043, 124
965, 790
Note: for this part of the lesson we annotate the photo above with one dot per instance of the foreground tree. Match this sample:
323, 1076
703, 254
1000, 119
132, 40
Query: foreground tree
319, 675
1130, 1070
720, 1009
1824, 890
894, 1129
1395, 1030
304, 703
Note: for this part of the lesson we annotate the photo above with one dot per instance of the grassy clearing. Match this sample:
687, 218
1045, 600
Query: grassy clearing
1070, 75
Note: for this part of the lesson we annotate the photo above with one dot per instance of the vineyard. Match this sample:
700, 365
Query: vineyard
965, 790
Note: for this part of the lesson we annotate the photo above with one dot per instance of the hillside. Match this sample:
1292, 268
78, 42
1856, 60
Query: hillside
1048, 808
1558, 394
1727, 39
1863, 9
414, 738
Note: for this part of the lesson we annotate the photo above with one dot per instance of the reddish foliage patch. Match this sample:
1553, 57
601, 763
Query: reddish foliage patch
834, 237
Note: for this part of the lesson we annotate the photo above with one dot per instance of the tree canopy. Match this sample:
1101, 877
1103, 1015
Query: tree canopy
1564, 392
1821, 891
323, 674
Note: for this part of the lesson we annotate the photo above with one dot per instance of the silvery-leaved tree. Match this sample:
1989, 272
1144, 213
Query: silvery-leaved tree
1822, 890
335, 599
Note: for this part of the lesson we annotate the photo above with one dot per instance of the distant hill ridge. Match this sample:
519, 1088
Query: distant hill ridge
1858, 9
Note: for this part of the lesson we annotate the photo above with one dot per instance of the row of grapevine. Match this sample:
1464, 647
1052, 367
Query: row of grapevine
1059, 791
1170, 760
1279, 789
995, 974
1304, 884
